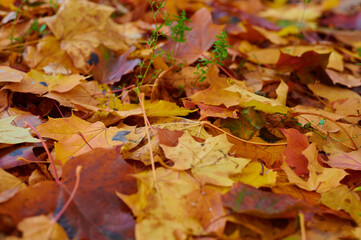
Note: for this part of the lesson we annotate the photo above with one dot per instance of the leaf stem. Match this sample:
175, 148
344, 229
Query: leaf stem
146, 122
52, 163
71, 197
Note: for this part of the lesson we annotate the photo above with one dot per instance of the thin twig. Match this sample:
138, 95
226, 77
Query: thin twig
242, 140
141, 101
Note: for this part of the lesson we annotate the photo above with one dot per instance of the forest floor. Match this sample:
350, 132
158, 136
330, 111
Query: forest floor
213, 119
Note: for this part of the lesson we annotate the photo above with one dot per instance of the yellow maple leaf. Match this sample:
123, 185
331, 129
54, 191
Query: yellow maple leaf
8, 74
209, 161
215, 94
58, 83
9, 185
249, 99
76, 136
341, 198
256, 175
48, 56
40, 227
11, 134
177, 208
320, 179
82, 26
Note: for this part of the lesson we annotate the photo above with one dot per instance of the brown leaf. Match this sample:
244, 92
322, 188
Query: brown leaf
199, 39
96, 212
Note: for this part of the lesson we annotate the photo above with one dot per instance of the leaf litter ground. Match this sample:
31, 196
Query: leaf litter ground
180, 119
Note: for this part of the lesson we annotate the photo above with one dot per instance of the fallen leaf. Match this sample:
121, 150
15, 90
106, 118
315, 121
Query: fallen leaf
293, 154
76, 136
11, 134
82, 31
49, 57
343, 160
216, 93
40, 228
199, 39
320, 179
332, 93
110, 69
256, 175
341, 198
96, 212
209, 161
310, 66
344, 79
215, 111
31, 201
10, 158
8, 74
58, 83
247, 124
9, 185
161, 216
249, 99
243, 198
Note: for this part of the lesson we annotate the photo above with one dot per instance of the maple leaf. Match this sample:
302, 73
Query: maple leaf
9, 185
256, 175
96, 212
209, 161
272, 55
246, 199
8, 74
10, 158
62, 88
216, 111
49, 56
40, 227
176, 209
333, 93
320, 179
310, 66
216, 93
341, 198
221, 91
249, 99
348, 80
11, 134
31, 201
246, 125
82, 26
76, 136
199, 39
159, 108
296, 144
350, 160
110, 69
58, 83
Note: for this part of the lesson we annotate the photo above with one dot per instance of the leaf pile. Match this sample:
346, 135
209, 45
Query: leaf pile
266, 147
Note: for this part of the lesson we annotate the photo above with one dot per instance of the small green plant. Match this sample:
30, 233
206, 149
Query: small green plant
157, 9
219, 54
35, 27
177, 34
179, 29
